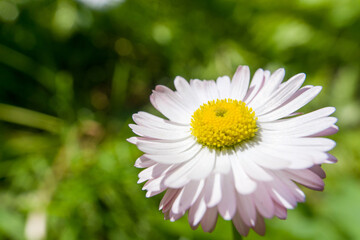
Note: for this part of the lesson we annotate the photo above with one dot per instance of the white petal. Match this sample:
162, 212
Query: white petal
170, 105
299, 120
307, 129
204, 166
132, 140
159, 147
306, 95
320, 144
186, 172
178, 176
155, 171
175, 208
145, 174
301, 156
223, 85
199, 168
268, 161
197, 211
190, 194
302, 161
168, 197
281, 193
205, 90
176, 157
274, 81
250, 167
240, 83
227, 205
186, 93
150, 194
263, 201
307, 178
257, 83
222, 163
212, 90
270, 85
200, 88
243, 183
295, 190
282, 200
303, 144
171, 95
143, 162
147, 119
181, 84
279, 96
175, 216
159, 133
154, 187
212, 190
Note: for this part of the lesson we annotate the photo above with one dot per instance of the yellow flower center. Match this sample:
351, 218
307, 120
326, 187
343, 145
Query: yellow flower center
223, 123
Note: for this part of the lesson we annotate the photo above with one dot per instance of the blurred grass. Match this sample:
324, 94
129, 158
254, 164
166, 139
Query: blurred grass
72, 73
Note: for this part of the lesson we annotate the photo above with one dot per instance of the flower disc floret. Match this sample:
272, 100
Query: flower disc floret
223, 123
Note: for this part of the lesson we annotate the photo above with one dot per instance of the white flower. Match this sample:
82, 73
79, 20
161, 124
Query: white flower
232, 148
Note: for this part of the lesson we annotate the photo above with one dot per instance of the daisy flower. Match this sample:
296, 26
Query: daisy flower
233, 148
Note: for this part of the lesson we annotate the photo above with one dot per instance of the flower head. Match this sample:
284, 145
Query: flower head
233, 148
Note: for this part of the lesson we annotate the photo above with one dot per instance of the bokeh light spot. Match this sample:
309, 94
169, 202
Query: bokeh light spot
8, 11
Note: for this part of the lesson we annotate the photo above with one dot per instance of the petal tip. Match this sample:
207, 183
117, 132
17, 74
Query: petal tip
132, 140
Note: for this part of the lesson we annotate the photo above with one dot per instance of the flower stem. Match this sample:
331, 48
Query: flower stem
236, 234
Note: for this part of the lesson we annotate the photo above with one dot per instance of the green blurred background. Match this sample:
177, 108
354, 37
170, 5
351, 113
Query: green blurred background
72, 73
